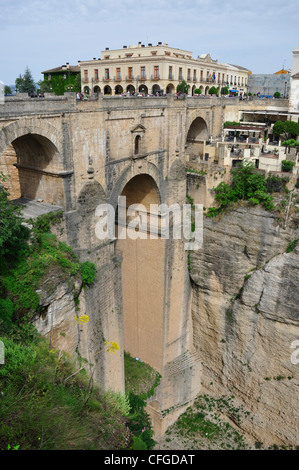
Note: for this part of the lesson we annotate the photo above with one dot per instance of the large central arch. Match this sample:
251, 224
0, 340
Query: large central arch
142, 274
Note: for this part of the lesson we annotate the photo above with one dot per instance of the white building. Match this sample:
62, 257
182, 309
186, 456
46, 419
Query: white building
294, 88
158, 68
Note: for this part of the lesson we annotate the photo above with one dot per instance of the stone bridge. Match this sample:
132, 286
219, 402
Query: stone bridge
77, 155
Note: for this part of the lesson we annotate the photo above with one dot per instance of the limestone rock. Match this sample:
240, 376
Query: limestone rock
245, 316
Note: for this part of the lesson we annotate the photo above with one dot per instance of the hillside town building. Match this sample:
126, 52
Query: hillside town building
157, 69
266, 85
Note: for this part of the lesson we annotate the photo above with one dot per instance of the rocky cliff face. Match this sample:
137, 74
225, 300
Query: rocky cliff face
57, 318
245, 316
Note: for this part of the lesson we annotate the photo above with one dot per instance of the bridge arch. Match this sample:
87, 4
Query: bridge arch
197, 133
31, 156
198, 130
143, 274
134, 169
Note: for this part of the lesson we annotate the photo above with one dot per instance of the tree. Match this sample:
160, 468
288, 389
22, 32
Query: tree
276, 94
197, 91
287, 128
287, 165
77, 83
182, 87
224, 90
18, 84
13, 233
213, 91
44, 86
7, 90
278, 128
25, 83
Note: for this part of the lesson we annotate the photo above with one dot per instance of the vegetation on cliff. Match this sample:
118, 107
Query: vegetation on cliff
47, 402
247, 185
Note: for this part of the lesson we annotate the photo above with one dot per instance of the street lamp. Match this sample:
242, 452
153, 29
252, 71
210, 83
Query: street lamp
68, 72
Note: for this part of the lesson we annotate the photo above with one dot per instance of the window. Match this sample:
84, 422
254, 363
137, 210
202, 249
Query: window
130, 72
118, 76
180, 73
106, 74
170, 73
137, 145
219, 78
189, 74
194, 75
86, 75
156, 71
49, 76
201, 75
96, 74
142, 72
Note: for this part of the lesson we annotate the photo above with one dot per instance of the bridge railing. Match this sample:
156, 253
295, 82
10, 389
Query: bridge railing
18, 105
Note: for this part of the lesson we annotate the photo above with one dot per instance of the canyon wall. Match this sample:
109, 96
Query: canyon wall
245, 318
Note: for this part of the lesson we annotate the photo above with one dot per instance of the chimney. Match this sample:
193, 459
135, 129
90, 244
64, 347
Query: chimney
125, 47
150, 45
159, 43
107, 48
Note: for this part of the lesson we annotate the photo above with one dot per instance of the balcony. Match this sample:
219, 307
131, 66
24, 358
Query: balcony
209, 80
141, 78
129, 78
155, 77
117, 78
106, 79
170, 77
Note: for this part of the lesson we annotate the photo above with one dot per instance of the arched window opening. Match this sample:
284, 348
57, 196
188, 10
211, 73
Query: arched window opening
137, 145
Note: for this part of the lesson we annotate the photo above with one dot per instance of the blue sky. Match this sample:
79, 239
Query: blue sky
257, 34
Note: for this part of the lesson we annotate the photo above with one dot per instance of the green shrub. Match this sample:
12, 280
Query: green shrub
47, 404
88, 272
138, 443
287, 165
275, 184
292, 246
139, 421
246, 184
